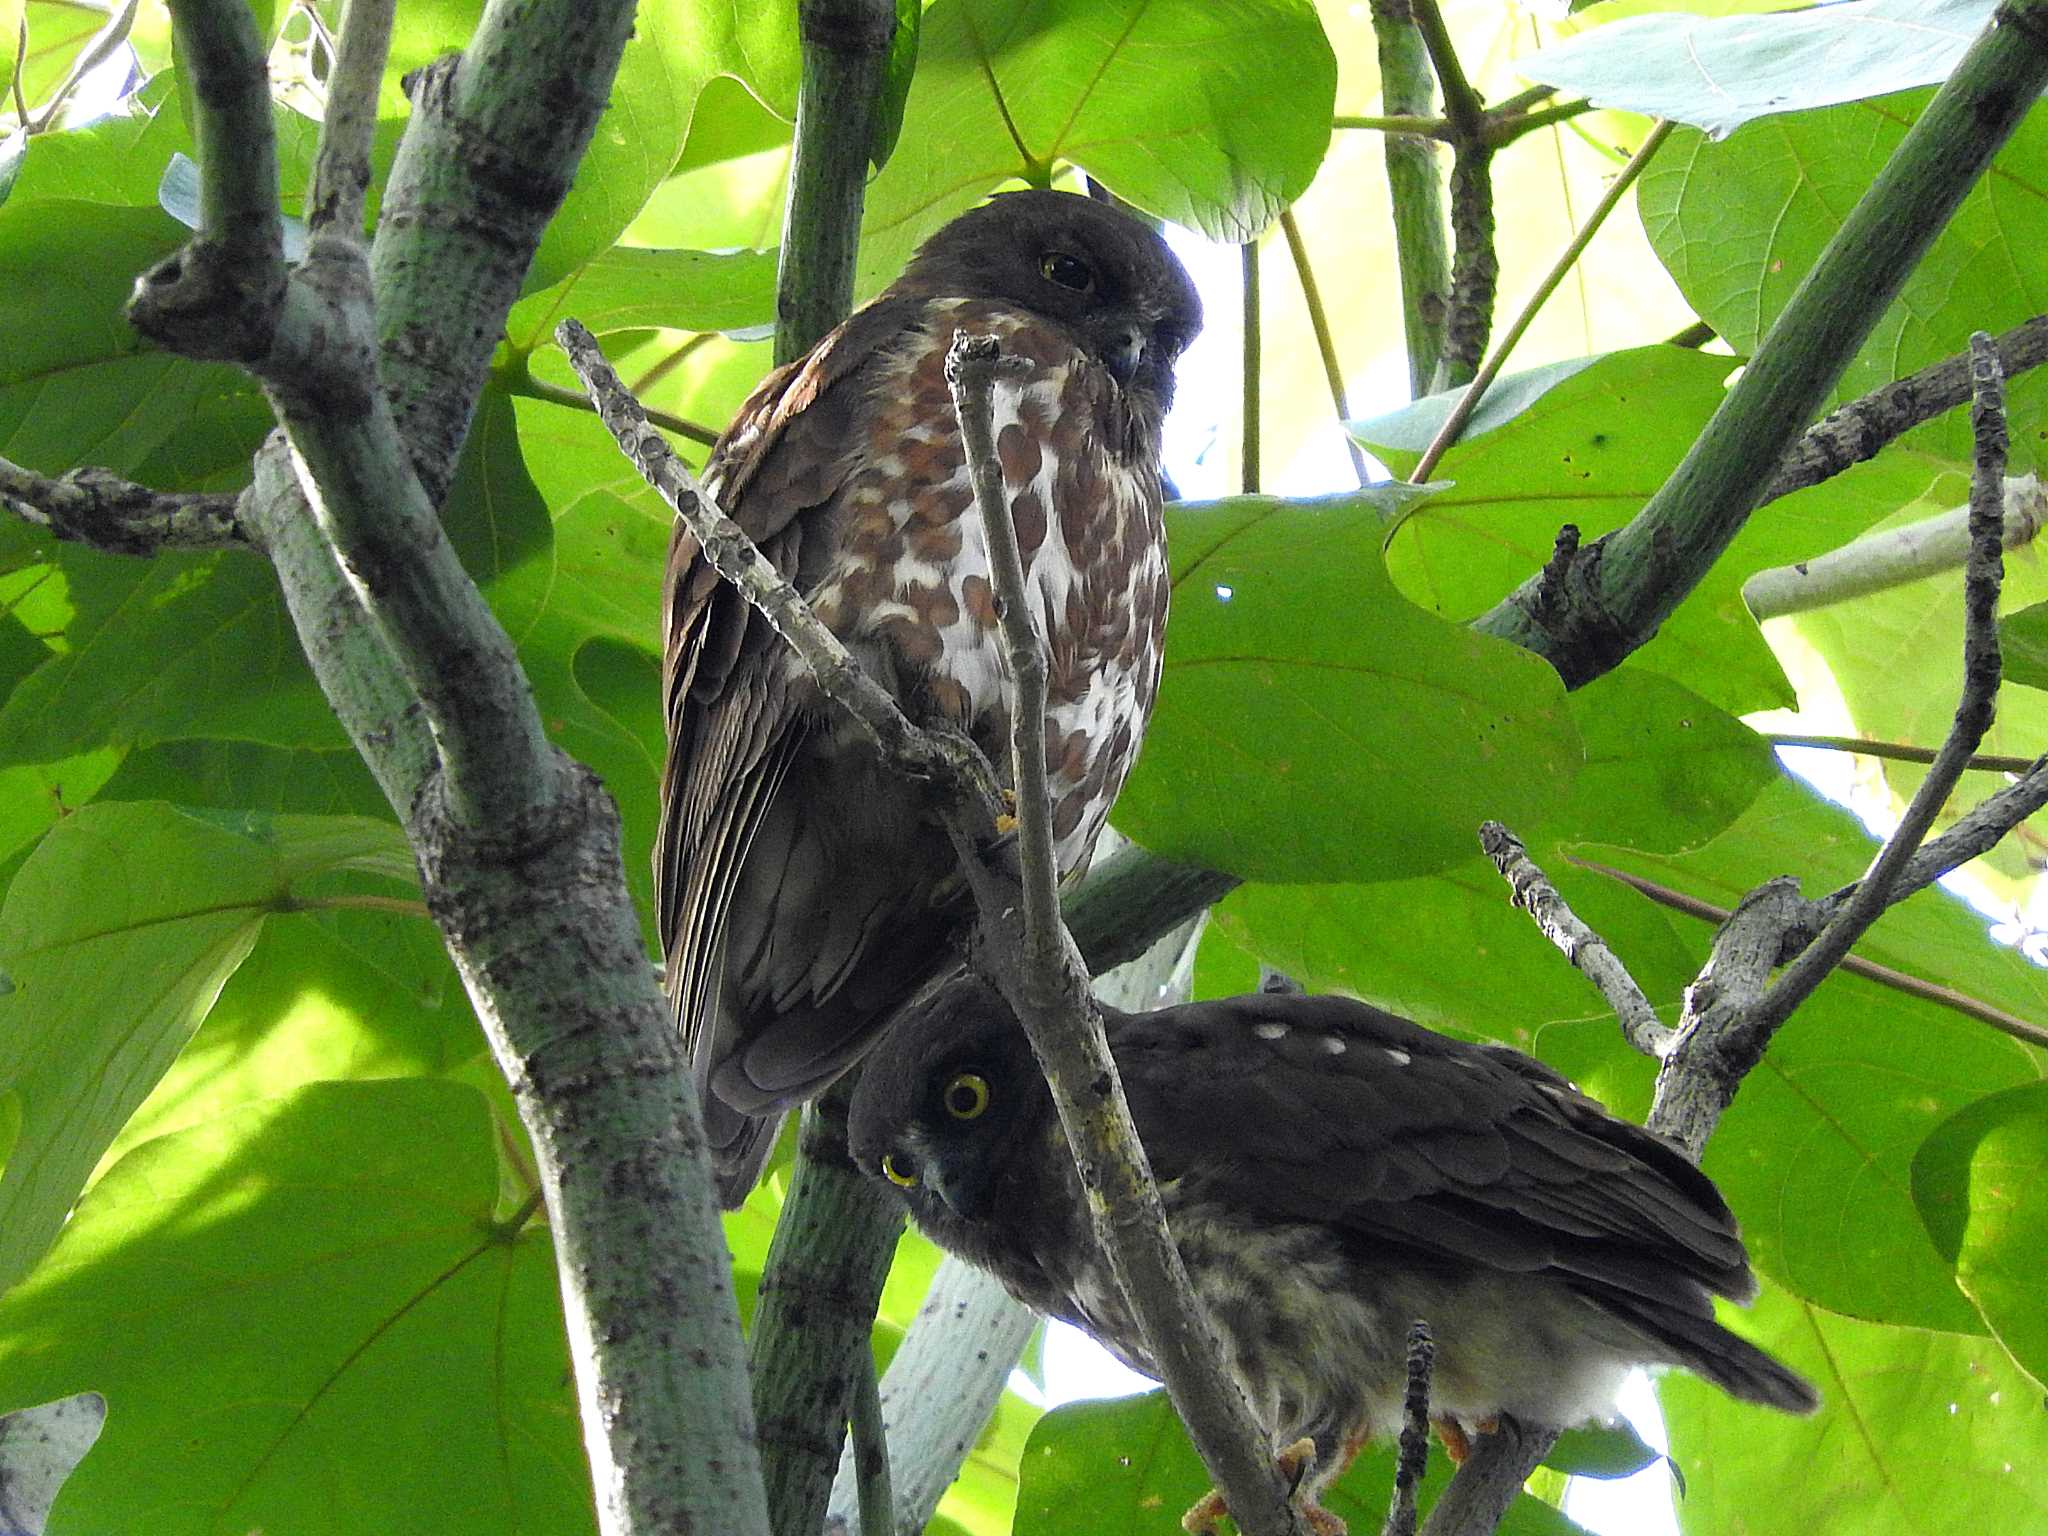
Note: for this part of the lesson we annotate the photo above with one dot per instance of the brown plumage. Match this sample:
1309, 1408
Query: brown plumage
1332, 1173
802, 893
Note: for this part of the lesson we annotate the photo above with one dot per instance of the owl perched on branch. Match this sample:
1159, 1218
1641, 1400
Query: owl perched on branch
802, 893
1331, 1174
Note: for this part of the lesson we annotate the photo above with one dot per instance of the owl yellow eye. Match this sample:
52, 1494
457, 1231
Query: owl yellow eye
1068, 271
966, 1096
899, 1171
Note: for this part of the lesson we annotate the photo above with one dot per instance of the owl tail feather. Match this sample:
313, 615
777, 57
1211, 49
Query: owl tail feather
1731, 1363
741, 1145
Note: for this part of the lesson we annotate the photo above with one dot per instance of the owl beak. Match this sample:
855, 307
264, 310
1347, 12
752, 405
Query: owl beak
964, 1197
1123, 351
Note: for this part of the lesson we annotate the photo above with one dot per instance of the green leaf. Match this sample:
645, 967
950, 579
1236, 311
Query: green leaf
895, 92
1717, 73
304, 1319
1918, 1432
1611, 1452
1154, 97
1740, 223
117, 935
1411, 428
628, 287
76, 385
1664, 769
676, 48
1589, 449
1314, 725
2023, 640
1109, 1468
1981, 1185
182, 645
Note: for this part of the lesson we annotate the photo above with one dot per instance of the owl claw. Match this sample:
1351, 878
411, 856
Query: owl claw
1294, 1463
1458, 1444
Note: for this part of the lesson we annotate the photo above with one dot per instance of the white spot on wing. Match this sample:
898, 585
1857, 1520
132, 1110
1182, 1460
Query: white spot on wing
1269, 1031
1398, 1058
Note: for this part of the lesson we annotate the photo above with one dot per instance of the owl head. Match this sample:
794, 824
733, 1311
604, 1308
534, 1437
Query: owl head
951, 1108
1103, 275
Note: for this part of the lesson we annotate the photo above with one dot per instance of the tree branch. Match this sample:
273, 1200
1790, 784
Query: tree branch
527, 888
1625, 585
1413, 1457
949, 1372
1585, 949
496, 132
1416, 189
1981, 671
93, 507
1879, 561
845, 54
1047, 987
1812, 916
1856, 431
341, 175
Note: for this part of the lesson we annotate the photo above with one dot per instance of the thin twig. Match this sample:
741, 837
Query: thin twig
341, 170
20, 60
1475, 265
974, 367
871, 1450
1412, 1461
1461, 412
1897, 751
1050, 993
1981, 671
90, 58
556, 394
1422, 127
1248, 255
1854, 432
1585, 949
1319, 322
91, 506
1503, 129
1462, 106
1802, 926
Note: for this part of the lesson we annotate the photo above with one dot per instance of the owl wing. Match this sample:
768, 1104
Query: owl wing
732, 730
1325, 1110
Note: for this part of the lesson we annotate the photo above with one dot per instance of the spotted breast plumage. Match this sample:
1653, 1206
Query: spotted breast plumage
1331, 1174
802, 893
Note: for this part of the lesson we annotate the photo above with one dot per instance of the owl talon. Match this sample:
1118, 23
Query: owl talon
1294, 1463
1458, 1443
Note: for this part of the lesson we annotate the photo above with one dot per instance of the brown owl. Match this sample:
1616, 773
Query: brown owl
803, 893
1331, 1174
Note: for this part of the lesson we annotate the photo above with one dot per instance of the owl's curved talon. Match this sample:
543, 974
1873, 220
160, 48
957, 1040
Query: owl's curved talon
1294, 1463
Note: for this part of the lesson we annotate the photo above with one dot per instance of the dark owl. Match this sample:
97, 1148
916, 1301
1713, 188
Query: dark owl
1332, 1173
802, 894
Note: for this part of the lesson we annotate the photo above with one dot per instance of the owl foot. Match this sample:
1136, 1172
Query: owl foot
1458, 1444
1294, 1463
